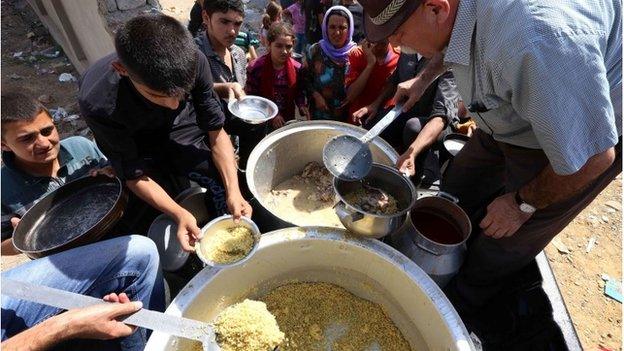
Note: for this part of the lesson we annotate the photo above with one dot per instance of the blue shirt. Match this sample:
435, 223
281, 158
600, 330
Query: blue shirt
542, 74
20, 190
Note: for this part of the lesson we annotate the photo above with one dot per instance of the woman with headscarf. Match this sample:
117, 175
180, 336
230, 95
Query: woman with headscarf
326, 64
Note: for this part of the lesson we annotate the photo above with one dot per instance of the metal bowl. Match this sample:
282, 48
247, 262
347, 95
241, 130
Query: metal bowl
163, 229
253, 109
372, 225
163, 232
297, 56
227, 221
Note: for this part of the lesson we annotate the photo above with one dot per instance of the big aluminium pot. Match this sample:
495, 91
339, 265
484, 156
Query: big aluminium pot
365, 267
286, 151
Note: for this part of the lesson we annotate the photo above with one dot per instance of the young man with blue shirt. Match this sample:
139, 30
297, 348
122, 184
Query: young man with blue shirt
545, 90
35, 161
126, 268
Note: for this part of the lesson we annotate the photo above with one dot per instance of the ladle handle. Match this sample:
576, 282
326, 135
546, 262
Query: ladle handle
382, 124
178, 326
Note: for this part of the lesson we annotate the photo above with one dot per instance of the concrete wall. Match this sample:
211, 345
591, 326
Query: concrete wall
84, 28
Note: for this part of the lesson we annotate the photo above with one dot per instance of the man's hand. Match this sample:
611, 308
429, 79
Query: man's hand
414, 88
94, 322
188, 231
277, 121
367, 47
366, 113
14, 222
100, 321
406, 163
238, 206
107, 171
411, 90
503, 217
235, 91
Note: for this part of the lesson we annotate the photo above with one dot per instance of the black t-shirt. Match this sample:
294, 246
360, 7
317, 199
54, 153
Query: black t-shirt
441, 98
128, 128
312, 9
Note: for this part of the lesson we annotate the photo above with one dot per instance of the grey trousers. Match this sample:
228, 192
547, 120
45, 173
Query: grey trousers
483, 170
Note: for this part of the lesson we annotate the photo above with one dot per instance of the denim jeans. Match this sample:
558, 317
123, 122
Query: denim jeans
127, 264
300, 43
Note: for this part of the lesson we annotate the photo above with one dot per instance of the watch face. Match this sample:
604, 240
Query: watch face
526, 208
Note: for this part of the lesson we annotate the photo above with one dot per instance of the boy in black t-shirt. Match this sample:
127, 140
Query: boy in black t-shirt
153, 110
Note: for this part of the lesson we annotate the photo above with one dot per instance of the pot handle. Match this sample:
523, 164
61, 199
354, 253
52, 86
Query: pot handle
423, 247
448, 196
342, 212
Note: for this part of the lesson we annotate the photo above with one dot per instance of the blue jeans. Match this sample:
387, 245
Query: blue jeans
127, 264
300, 43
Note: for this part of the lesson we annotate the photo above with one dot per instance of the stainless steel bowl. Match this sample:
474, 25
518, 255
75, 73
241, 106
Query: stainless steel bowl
253, 109
223, 222
372, 225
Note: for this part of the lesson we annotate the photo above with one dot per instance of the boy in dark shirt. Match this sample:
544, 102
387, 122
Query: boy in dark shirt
153, 110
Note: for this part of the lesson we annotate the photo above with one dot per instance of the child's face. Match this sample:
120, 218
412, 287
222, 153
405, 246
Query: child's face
35, 141
281, 49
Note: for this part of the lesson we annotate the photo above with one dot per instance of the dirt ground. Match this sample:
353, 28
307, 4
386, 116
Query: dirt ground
597, 318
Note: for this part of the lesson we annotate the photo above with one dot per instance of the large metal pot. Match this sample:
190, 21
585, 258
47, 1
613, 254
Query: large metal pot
366, 267
371, 225
439, 256
286, 151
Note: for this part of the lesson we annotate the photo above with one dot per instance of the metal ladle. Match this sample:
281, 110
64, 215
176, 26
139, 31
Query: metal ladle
349, 158
178, 326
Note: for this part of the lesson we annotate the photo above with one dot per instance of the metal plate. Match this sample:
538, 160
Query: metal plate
253, 109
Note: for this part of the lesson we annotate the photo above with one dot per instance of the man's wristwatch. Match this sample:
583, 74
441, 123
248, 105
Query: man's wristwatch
524, 207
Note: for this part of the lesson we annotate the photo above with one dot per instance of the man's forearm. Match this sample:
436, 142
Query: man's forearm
223, 157
549, 188
427, 136
40, 337
222, 89
152, 193
7, 248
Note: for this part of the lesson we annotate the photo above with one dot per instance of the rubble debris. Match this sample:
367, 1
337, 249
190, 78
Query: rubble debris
66, 77
590, 244
560, 246
614, 205
59, 114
